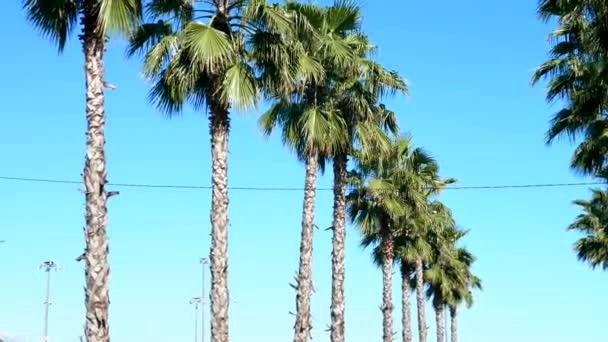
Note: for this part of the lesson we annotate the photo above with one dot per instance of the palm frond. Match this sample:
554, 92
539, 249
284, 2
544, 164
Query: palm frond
55, 19
211, 47
119, 16
145, 36
240, 88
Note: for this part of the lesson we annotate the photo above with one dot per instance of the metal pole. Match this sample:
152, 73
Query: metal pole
195, 301
47, 266
195, 322
46, 306
203, 263
446, 313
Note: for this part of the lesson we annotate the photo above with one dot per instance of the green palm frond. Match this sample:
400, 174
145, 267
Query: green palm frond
309, 69
55, 19
205, 53
343, 15
593, 222
181, 11
144, 37
160, 54
211, 47
119, 16
577, 74
240, 87
592, 249
275, 17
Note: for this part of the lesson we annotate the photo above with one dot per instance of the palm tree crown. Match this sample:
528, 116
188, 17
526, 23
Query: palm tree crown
593, 222
577, 72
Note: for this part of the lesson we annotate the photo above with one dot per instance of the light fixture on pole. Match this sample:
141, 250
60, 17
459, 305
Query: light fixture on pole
47, 267
204, 262
196, 301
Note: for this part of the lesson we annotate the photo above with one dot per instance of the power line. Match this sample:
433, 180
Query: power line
253, 188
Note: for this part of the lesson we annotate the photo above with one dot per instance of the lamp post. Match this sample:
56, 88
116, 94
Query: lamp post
195, 301
47, 267
204, 262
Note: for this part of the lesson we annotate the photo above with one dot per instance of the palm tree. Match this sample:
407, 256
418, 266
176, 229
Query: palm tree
449, 277
98, 18
313, 127
412, 249
367, 124
593, 222
406, 270
577, 72
462, 293
441, 277
417, 239
384, 189
402, 257
209, 64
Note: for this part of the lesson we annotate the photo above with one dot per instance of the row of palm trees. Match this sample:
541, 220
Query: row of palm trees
577, 74
393, 202
314, 66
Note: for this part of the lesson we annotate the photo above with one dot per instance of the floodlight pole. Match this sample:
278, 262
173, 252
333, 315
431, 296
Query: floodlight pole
195, 301
47, 267
204, 262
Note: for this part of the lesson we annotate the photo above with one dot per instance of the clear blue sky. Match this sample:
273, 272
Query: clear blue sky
468, 65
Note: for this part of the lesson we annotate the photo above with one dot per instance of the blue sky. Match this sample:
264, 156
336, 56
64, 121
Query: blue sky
467, 63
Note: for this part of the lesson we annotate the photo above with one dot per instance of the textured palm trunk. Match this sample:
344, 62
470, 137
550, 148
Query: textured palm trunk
422, 329
439, 319
97, 268
387, 282
454, 324
405, 304
304, 286
338, 242
219, 128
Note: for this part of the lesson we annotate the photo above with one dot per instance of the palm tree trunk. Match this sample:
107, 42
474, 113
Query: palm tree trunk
387, 282
405, 304
422, 329
304, 285
439, 319
454, 324
97, 268
219, 127
338, 241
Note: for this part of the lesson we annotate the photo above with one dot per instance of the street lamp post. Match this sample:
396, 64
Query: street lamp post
204, 262
195, 301
47, 267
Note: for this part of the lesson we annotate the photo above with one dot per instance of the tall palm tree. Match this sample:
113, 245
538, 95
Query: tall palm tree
312, 124
412, 249
402, 256
577, 71
406, 270
384, 189
593, 222
359, 89
210, 65
441, 276
421, 240
449, 277
462, 292
98, 18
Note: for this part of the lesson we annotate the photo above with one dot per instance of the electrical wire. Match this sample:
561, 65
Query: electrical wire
258, 188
